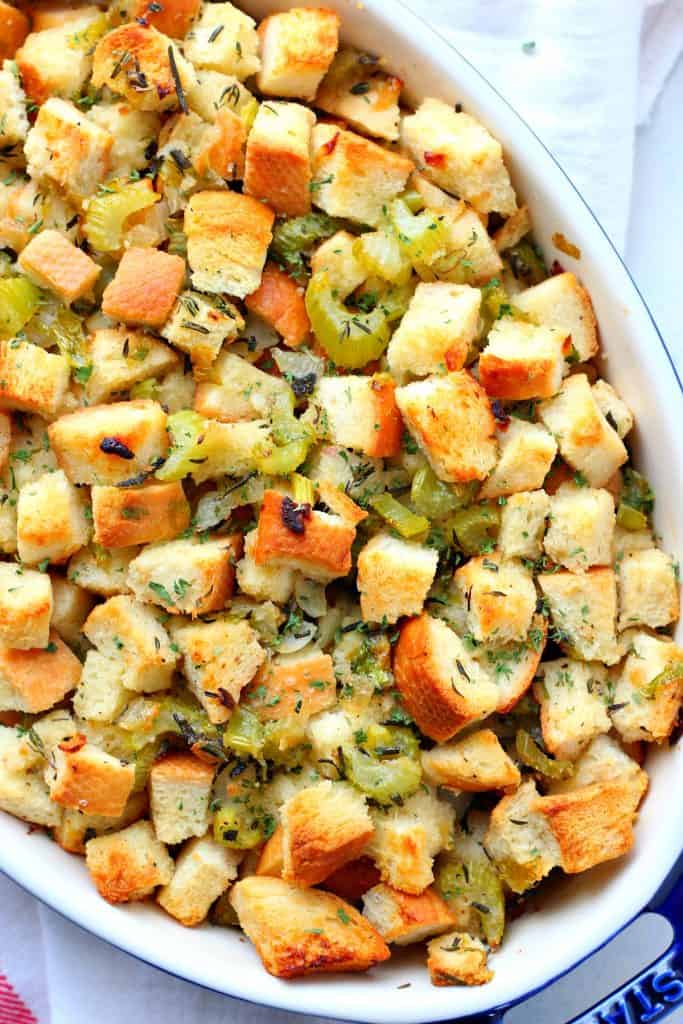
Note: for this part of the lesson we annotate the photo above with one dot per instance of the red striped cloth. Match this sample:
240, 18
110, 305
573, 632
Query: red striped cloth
13, 1010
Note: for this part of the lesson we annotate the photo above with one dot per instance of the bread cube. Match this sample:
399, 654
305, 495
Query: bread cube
101, 695
278, 165
327, 731
219, 659
203, 871
53, 262
129, 864
5, 438
279, 300
408, 838
522, 360
52, 62
522, 524
584, 610
27, 796
144, 67
110, 444
14, 27
172, 17
513, 666
394, 577
527, 451
100, 571
443, 688
67, 150
585, 438
126, 630
304, 931
560, 301
573, 705
13, 120
237, 390
517, 225
361, 413
299, 685
626, 541
500, 598
456, 152
71, 606
121, 358
145, 287
296, 49
76, 828
25, 607
581, 527
8, 520
604, 760
51, 521
520, 841
229, 449
402, 919
649, 690
458, 958
186, 577
353, 880
30, 455
353, 177
200, 326
436, 331
215, 91
613, 408
474, 764
336, 258
31, 379
647, 589
339, 502
450, 418
228, 235
472, 257
317, 544
37, 679
263, 582
224, 38
179, 792
364, 97
126, 516
132, 130
84, 777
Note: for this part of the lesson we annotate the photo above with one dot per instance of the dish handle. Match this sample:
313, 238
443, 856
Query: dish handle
656, 992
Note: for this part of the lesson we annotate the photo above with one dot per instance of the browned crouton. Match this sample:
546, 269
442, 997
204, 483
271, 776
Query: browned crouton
394, 577
144, 66
71, 607
187, 576
14, 27
129, 864
500, 598
51, 519
37, 679
475, 764
363, 96
351, 881
360, 412
127, 631
296, 48
124, 516
121, 357
278, 165
31, 379
54, 262
458, 959
583, 607
402, 918
76, 828
649, 689
293, 684
146, 284
84, 777
520, 841
562, 302
338, 501
172, 17
25, 607
279, 300
522, 360
314, 542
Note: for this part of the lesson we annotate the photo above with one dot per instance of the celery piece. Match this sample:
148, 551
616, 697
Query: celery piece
400, 518
244, 733
383, 781
187, 429
421, 236
530, 754
526, 263
145, 388
303, 489
381, 255
475, 884
109, 209
636, 495
234, 825
476, 527
19, 299
351, 339
390, 741
630, 518
294, 238
435, 499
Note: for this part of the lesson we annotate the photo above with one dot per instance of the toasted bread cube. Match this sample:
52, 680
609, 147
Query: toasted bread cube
472, 257
125, 629
86, 442
51, 520
27, 796
441, 697
54, 262
219, 658
512, 667
279, 300
604, 760
227, 239
296, 49
522, 360
31, 379
30, 455
32, 749
179, 792
222, 150
581, 527
224, 38
296, 685
75, 827
527, 451
648, 589
229, 449
585, 438
475, 764
339, 502
278, 166
500, 598
132, 131
100, 571
8, 520
25, 607
145, 287
186, 577
101, 695
132, 54
37, 679
523, 853
408, 838
514, 229
573, 705
304, 931
613, 408
450, 418
361, 413
203, 871
522, 524
13, 120
87, 779
320, 547
14, 27
365, 98
200, 327
584, 611
394, 577
5, 438
649, 690
215, 91
66, 149
129, 864
236, 390
626, 541
53, 62
458, 958
336, 258
402, 919
456, 152
353, 177
121, 358
351, 881
172, 17
263, 582
71, 606
560, 301
126, 516
437, 330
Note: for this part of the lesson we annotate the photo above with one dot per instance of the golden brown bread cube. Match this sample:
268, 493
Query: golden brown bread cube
458, 958
402, 918
85, 778
125, 516
129, 864
474, 764
54, 262
37, 679
296, 48
31, 379
144, 66
26, 605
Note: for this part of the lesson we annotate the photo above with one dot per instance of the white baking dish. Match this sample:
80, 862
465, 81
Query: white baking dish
588, 909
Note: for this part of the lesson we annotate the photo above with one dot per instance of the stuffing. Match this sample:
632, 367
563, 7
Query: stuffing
450, 418
296, 49
443, 688
514, 229
361, 413
402, 919
230, 449
5, 438
186, 577
263, 582
649, 689
14, 27
279, 301
75, 827
626, 541
472, 258
362, 95
200, 326
203, 871
101, 571
278, 163
339, 502
121, 358
353, 177
144, 67
512, 667
236, 390
560, 301
436, 332
292, 686
224, 39
71, 606
83, 777
8, 519
219, 657
522, 524
129, 864
585, 438
51, 520
572, 695
270, 859
172, 17
527, 451
27, 796
647, 589
145, 287
228, 235
580, 527
458, 958
456, 152
522, 360
100, 695
126, 630
221, 152
53, 62
126, 516
31, 379
520, 841
583, 608
215, 91
53, 262
408, 838
110, 444
304, 931
474, 764
13, 120
26, 607
37, 679
394, 577
336, 258
179, 792
500, 598
613, 408
327, 732
317, 544
67, 150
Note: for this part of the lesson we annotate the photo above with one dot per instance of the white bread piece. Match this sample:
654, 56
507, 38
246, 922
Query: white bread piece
27, 796
512, 666
51, 520
296, 49
500, 598
228, 449
458, 958
25, 607
403, 919
13, 120
522, 524
121, 357
573, 705
197, 576
132, 132
128, 865
613, 408
278, 160
361, 413
200, 326
603, 760
71, 606
561, 301
203, 871
68, 151
133, 50
519, 840
647, 589
471, 257
583, 607
327, 732
336, 258
83, 777
517, 225
626, 541
32, 380
126, 630
37, 679
394, 577
179, 793
102, 571
408, 838
527, 451
235, 390
475, 763
30, 454
581, 527
263, 582
436, 330
215, 91
522, 360
101, 695
76, 827
366, 98
54, 60
223, 38
641, 708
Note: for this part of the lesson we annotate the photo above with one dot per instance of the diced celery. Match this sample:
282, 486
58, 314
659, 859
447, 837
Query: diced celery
109, 209
382, 256
234, 825
391, 741
186, 429
475, 884
294, 238
420, 235
19, 299
244, 733
399, 517
303, 489
475, 527
636, 500
145, 388
351, 339
435, 499
526, 263
530, 754
630, 518
384, 781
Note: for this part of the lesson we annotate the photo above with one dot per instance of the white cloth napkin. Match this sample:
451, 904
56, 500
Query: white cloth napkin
592, 76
